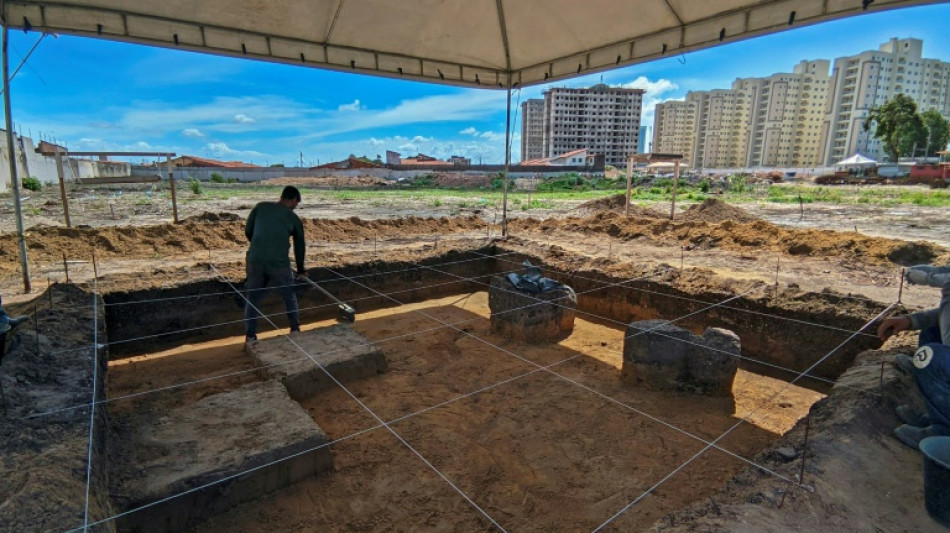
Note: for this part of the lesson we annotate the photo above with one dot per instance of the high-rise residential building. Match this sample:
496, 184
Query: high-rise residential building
786, 115
866, 80
602, 119
674, 122
721, 130
803, 118
532, 129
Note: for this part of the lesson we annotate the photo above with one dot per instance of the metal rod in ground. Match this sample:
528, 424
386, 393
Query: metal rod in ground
682, 256
95, 269
66, 267
801, 473
778, 261
900, 290
11, 158
504, 194
801, 208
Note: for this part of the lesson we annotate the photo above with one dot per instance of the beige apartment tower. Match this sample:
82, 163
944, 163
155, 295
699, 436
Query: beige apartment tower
673, 125
871, 78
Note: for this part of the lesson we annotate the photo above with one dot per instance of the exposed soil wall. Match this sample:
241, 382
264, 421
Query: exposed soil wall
49, 368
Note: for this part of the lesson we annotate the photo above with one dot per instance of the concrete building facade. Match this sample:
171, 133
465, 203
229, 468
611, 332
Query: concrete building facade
787, 111
673, 125
863, 81
806, 118
602, 119
532, 129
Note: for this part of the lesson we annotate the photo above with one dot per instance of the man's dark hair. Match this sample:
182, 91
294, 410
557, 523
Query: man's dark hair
290, 193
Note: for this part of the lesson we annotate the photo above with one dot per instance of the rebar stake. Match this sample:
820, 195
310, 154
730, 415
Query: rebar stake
801, 474
66, 267
778, 261
881, 382
95, 268
900, 290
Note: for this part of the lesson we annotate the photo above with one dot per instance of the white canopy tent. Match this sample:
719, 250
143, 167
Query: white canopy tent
857, 160
463, 42
479, 43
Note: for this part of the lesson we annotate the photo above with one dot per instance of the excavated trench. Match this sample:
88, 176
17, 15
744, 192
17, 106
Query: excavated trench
508, 446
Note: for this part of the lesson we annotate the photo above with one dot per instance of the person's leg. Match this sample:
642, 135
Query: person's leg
945, 315
284, 278
933, 379
256, 280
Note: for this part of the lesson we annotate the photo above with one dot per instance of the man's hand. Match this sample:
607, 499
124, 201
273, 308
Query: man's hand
892, 326
302, 277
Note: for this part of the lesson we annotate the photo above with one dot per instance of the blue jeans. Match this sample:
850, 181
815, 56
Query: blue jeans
934, 380
259, 277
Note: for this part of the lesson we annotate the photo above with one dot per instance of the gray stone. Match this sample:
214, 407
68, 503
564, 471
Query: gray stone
534, 318
785, 454
666, 357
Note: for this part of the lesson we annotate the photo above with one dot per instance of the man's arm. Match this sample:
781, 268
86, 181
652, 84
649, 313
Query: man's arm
249, 226
300, 245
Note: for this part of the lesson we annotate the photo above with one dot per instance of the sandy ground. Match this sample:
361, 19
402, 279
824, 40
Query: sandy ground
568, 460
533, 452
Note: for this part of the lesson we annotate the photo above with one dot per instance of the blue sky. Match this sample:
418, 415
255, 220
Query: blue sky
99, 95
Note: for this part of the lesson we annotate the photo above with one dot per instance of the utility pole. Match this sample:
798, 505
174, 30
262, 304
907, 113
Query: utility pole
14, 180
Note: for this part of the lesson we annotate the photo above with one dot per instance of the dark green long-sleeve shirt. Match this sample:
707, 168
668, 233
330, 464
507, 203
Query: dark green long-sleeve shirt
269, 228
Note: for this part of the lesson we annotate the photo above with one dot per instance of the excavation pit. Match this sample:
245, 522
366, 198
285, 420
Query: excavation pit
339, 349
512, 424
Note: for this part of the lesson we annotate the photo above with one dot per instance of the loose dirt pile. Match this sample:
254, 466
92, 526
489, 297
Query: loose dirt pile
755, 237
209, 231
714, 210
616, 203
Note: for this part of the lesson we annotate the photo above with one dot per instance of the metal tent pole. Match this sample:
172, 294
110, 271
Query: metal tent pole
14, 180
504, 209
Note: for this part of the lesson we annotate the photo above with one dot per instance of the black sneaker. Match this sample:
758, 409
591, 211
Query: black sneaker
911, 436
912, 417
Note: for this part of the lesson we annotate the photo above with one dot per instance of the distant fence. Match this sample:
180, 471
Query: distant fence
400, 171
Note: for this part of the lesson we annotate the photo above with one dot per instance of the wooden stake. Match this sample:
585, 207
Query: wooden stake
62, 186
171, 182
95, 269
65, 267
801, 208
900, 290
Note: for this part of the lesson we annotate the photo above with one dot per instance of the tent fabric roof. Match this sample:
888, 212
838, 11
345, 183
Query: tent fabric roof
461, 42
856, 160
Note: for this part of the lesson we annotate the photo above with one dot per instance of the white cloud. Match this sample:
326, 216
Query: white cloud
241, 118
409, 147
192, 132
653, 88
355, 106
653, 95
221, 149
487, 135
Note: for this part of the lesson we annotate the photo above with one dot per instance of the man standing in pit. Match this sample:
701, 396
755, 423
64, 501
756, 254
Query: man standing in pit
270, 226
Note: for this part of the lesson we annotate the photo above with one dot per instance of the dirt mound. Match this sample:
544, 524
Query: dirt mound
201, 233
715, 210
616, 203
213, 217
755, 237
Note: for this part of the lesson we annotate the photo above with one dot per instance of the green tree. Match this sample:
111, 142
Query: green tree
898, 126
938, 131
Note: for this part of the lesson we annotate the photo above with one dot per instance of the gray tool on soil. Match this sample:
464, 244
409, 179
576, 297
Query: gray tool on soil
346, 312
